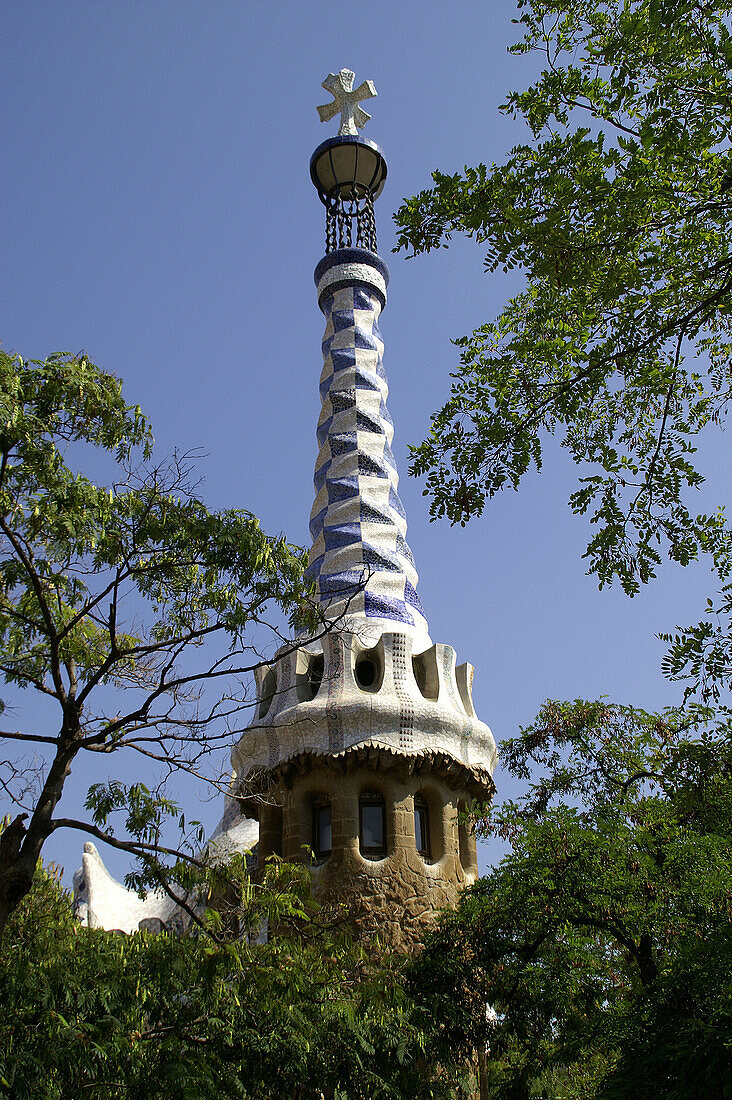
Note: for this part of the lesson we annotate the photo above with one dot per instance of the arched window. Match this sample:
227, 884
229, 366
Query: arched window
372, 825
466, 841
322, 844
422, 826
269, 688
368, 668
270, 831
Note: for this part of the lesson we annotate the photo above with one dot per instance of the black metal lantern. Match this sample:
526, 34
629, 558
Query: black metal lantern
349, 173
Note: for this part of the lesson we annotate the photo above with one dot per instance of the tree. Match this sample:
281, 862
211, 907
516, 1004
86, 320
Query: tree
307, 1015
619, 211
119, 605
602, 941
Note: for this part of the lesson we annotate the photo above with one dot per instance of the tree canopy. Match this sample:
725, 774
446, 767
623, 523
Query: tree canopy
307, 1014
119, 603
602, 940
618, 211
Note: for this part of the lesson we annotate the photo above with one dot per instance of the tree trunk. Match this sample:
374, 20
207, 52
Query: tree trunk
483, 1093
20, 849
646, 963
14, 885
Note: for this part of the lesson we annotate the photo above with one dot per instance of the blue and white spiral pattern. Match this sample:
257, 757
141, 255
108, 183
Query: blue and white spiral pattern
360, 560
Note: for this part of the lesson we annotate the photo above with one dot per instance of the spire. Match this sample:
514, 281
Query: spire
362, 566
374, 692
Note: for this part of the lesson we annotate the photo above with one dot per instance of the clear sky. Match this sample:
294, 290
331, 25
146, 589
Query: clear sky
158, 213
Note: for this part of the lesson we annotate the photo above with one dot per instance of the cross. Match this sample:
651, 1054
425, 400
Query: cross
345, 100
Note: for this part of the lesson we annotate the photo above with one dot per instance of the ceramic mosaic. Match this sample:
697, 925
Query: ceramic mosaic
360, 560
417, 703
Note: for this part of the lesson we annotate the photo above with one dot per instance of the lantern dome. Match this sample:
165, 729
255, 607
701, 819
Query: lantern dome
348, 168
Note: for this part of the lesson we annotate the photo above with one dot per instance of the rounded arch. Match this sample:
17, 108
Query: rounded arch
429, 823
373, 839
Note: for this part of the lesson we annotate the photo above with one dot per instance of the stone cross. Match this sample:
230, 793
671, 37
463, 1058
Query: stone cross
345, 100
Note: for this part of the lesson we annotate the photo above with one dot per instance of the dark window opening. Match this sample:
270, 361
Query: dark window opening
269, 687
372, 825
368, 668
315, 675
270, 831
308, 675
322, 830
466, 840
366, 672
422, 826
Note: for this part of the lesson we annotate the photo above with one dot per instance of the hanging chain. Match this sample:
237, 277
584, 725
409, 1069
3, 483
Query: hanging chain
366, 225
344, 227
339, 218
330, 229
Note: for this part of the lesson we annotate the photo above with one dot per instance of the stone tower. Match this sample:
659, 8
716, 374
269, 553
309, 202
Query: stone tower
365, 745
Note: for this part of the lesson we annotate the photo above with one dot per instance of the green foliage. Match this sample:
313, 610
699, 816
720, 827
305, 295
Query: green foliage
602, 940
619, 212
119, 603
69, 545
305, 1015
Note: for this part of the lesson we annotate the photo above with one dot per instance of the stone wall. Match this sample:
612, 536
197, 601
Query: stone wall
397, 896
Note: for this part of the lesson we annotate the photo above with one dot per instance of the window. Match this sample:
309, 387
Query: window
366, 673
315, 674
422, 826
372, 825
308, 675
267, 694
368, 668
270, 831
466, 841
322, 830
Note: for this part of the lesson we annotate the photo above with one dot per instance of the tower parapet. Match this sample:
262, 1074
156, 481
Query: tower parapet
365, 746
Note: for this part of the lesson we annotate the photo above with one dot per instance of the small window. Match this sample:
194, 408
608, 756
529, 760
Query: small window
466, 841
422, 826
322, 830
368, 668
308, 675
372, 825
366, 672
269, 688
270, 831
315, 675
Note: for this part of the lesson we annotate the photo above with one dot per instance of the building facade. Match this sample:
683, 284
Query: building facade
365, 750
364, 753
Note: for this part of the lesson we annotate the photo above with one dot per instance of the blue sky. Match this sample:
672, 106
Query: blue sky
158, 213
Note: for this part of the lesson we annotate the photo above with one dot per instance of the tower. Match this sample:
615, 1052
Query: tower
364, 747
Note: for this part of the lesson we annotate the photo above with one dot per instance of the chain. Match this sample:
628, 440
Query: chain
330, 229
339, 220
344, 228
367, 225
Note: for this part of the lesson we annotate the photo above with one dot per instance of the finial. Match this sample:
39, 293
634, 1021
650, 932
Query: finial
345, 100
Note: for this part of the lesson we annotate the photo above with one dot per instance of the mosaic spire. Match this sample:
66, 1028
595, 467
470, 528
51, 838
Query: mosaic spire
376, 683
361, 563
369, 714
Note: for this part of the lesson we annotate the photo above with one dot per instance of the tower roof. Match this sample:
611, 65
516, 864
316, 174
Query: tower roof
374, 678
